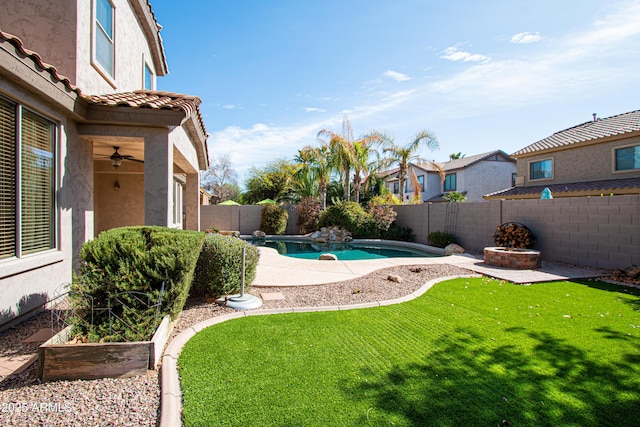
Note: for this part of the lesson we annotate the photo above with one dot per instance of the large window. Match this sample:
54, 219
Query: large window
421, 182
627, 158
542, 169
104, 47
396, 188
27, 181
450, 182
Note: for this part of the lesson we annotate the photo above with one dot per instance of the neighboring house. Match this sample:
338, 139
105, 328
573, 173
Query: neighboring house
601, 156
472, 176
86, 144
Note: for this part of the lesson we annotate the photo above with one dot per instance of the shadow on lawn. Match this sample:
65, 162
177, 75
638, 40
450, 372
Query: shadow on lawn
473, 380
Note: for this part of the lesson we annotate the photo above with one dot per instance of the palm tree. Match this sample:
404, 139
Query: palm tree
346, 153
403, 155
456, 156
315, 167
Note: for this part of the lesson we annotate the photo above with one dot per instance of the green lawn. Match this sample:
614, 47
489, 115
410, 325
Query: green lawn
470, 352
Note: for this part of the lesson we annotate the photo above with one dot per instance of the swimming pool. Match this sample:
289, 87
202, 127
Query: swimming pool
344, 251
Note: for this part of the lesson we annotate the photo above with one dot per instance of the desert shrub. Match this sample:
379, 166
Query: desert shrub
348, 215
308, 214
386, 199
219, 268
378, 221
133, 259
273, 219
440, 239
454, 196
395, 232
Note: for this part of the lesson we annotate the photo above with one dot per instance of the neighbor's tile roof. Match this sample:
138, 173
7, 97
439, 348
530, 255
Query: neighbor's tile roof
597, 187
589, 131
151, 99
37, 60
452, 164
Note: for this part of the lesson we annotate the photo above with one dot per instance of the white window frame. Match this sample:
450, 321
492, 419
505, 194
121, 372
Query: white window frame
145, 67
553, 166
613, 159
179, 182
54, 186
110, 77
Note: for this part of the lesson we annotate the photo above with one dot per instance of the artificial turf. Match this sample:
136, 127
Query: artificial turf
473, 352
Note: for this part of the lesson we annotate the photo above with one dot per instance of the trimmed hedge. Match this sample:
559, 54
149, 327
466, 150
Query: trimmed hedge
348, 215
219, 268
133, 259
273, 219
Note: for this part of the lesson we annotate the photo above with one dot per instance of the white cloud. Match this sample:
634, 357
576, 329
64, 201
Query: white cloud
453, 54
397, 76
526, 37
314, 110
229, 107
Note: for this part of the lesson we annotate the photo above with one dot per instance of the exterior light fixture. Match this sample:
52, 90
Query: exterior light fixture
116, 159
116, 186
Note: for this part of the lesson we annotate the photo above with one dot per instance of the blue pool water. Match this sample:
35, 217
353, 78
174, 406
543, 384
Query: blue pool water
344, 251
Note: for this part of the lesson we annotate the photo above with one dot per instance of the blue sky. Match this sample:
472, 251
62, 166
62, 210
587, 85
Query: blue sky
480, 75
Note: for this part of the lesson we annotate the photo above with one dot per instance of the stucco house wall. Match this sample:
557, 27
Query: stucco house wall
47, 27
168, 134
592, 162
29, 281
484, 177
131, 50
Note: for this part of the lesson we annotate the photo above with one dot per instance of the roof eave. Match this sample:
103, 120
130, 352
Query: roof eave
626, 135
151, 29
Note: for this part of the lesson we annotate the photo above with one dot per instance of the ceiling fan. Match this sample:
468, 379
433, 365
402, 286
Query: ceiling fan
117, 158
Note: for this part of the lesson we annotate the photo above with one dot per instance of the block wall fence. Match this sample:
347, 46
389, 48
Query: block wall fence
599, 232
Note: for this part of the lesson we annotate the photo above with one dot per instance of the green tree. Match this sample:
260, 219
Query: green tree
271, 182
314, 169
456, 156
404, 155
345, 152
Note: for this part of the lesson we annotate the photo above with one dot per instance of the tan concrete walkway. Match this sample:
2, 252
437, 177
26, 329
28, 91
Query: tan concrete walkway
278, 270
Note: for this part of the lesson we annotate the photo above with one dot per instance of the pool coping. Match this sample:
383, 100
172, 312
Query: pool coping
171, 393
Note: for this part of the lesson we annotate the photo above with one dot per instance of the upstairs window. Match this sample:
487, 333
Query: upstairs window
104, 47
396, 188
27, 181
421, 182
542, 169
148, 77
450, 182
627, 158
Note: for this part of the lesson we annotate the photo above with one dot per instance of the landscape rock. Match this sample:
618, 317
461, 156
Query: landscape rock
453, 249
258, 234
328, 257
394, 278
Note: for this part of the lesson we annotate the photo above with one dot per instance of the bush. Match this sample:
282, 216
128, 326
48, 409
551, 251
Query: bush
396, 232
348, 215
219, 268
440, 239
133, 259
454, 196
308, 214
273, 219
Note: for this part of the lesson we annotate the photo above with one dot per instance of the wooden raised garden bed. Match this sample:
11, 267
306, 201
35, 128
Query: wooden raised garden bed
61, 360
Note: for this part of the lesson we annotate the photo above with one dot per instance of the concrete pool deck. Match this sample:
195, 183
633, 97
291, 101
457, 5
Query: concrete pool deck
277, 270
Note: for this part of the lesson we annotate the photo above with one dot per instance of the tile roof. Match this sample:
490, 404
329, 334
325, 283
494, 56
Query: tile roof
596, 187
37, 60
588, 131
156, 100
452, 164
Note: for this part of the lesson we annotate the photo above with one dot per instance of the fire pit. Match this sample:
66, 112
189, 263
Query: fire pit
515, 258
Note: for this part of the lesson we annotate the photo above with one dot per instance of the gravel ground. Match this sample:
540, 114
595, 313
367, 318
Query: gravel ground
135, 401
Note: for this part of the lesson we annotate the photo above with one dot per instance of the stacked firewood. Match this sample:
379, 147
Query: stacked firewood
514, 235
